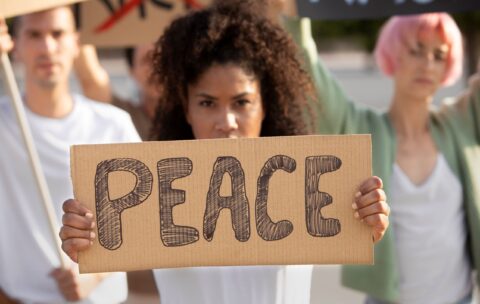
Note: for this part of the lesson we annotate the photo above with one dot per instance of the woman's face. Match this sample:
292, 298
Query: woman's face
422, 65
225, 102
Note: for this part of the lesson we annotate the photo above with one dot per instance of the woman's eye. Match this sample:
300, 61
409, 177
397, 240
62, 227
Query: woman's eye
206, 103
242, 102
440, 56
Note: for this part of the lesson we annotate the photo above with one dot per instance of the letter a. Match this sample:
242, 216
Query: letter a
237, 203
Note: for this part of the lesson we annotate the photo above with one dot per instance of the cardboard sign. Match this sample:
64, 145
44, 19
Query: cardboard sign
357, 9
121, 23
11, 8
264, 201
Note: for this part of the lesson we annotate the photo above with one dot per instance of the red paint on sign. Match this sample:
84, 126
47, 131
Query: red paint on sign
129, 6
119, 14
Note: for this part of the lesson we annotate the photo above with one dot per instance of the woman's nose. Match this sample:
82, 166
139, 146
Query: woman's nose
227, 121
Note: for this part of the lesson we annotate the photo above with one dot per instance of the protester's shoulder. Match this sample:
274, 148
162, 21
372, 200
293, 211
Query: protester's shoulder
101, 111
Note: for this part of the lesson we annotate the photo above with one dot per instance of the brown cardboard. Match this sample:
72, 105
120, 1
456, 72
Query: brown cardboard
141, 245
10, 8
131, 28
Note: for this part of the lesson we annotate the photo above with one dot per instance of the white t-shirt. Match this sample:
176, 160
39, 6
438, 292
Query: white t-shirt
430, 235
27, 252
235, 285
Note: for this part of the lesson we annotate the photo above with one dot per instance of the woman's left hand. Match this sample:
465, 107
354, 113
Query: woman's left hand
371, 206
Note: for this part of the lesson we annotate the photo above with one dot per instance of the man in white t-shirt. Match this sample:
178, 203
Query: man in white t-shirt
47, 43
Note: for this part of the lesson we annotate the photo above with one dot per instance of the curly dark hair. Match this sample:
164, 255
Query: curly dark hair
230, 34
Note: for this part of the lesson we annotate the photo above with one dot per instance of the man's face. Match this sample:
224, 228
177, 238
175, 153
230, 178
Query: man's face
47, 43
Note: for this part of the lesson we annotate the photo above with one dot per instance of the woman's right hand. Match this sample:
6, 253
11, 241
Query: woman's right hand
77, 231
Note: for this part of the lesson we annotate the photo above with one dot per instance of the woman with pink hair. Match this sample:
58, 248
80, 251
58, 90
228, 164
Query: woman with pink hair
426, 158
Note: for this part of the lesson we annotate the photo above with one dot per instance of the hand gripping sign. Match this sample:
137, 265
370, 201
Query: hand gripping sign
265, 201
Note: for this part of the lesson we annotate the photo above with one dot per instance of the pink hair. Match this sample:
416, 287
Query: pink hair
401, 29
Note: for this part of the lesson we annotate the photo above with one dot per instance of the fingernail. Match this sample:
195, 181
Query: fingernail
354, 206
89, 215
358, 194
356, 215
92, 225
92, 235
91, 243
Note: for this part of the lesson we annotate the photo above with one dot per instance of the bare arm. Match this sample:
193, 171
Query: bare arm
93, 78
370, 206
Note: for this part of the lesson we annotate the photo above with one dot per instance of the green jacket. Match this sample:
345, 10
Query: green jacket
456, 131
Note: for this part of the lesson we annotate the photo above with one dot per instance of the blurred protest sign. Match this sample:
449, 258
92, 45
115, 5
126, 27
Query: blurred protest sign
121, 23
358, 9
10, 8
247, 201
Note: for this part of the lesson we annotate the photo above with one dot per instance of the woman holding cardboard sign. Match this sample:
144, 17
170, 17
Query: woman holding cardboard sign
425, 157
229, 73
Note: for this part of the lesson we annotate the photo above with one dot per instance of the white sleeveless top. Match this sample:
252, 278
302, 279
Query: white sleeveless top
430, 234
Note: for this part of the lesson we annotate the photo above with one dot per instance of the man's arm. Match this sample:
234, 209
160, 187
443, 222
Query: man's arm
93, 78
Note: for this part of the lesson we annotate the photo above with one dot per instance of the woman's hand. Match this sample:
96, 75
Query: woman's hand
77, 231
371, 207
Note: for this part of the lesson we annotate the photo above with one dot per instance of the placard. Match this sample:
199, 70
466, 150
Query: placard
264, 201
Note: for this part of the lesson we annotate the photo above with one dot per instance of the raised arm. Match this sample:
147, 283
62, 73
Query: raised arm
463, 111
336, 114
474, 88
93, 78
